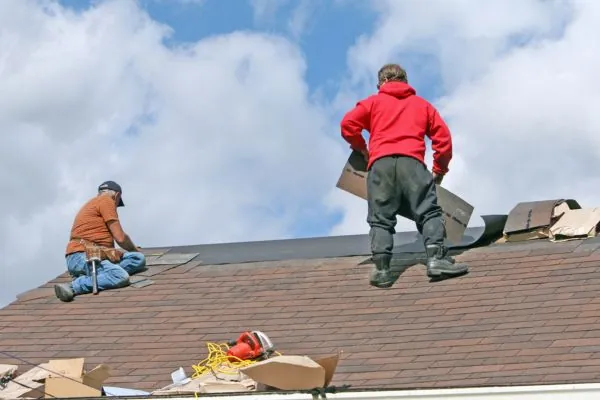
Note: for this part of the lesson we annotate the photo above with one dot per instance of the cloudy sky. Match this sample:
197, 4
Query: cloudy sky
220, 119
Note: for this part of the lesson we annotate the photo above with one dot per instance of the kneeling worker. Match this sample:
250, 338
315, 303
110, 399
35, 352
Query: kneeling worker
97, 225
398, 182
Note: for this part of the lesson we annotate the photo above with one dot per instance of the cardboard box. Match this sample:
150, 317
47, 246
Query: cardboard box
67, 378
457, 212
293, 372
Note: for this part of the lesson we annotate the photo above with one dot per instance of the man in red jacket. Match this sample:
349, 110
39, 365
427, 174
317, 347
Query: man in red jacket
398, 181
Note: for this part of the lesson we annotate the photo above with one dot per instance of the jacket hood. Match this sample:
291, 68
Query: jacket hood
397, 89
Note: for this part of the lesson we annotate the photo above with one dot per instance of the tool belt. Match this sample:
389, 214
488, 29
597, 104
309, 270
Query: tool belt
102, 252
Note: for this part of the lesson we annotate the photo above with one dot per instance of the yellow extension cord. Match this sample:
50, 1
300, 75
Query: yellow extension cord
217, 361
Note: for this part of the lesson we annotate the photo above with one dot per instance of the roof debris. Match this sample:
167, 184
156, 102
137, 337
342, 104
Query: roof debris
532, 220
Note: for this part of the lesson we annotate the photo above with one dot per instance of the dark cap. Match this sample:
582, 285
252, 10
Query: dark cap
111, 185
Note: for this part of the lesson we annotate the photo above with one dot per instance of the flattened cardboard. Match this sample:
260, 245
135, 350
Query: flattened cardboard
576, 224
354, 176
216, 382
293, 372
27, 385
533, 219
64, 388
7, 369
73, 368
68, 379
457, 212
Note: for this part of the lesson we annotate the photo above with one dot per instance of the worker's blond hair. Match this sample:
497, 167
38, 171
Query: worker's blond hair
391, 72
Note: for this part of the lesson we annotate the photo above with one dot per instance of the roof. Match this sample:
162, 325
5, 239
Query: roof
528, 313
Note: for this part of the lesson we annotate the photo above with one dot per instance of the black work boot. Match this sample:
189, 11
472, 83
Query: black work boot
64, 291
440, 264
381, 275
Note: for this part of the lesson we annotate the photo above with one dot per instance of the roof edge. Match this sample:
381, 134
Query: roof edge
580, 391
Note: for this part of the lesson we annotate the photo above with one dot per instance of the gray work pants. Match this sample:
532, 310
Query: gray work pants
401, 185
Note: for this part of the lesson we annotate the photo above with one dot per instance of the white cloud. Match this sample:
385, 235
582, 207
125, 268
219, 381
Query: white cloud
302, 17
265, 10
524, 117
299, 21
209, 141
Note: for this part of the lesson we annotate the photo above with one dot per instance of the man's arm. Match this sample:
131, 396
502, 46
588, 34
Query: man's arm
121, 237
352, 125
441, 142
108, 211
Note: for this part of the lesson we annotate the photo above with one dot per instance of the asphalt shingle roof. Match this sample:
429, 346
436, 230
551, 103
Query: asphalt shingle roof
528, 313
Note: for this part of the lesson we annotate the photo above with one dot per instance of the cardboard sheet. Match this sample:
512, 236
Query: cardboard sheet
67, 378
215, 382
28, 384
457, 212
576, 224
293, 372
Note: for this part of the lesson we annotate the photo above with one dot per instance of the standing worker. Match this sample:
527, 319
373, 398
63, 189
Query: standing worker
398, 181
97, 227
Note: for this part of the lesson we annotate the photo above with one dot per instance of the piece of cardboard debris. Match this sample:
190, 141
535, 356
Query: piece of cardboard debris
26, 385
457, 212
289, 372
7, 369
576, 224
532, 220
69, 379
215, 382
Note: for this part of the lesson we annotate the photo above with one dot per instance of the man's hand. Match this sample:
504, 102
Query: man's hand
437, 178
365, 154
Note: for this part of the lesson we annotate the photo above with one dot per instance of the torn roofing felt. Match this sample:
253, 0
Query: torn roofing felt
330, 247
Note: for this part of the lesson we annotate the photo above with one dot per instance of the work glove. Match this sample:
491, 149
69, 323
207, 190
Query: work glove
437, 178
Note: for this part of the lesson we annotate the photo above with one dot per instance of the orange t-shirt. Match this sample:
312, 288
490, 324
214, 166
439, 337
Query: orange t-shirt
91, 224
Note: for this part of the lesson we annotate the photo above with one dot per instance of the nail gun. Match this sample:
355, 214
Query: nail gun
250, 345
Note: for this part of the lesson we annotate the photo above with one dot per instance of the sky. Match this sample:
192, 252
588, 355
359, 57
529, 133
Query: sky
220, 119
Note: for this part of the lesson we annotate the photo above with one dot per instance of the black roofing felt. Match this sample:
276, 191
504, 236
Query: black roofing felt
330, 247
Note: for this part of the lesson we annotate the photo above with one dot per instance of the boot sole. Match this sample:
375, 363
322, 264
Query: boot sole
442, 273
382, 285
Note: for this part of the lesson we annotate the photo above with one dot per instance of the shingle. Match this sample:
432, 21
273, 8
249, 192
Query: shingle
527, 313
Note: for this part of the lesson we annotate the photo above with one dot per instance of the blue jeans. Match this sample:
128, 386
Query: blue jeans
110, 276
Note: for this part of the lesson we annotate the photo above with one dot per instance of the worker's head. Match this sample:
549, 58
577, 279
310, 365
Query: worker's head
112, 189
391, 73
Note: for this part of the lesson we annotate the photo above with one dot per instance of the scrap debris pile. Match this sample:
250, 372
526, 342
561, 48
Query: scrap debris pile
247, 364
557, 220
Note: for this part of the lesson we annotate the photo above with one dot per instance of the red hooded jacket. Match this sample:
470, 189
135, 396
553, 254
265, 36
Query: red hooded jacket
397, 121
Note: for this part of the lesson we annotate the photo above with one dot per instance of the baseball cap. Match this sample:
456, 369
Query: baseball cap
112, 185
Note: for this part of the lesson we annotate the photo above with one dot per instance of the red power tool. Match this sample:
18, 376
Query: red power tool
250, 346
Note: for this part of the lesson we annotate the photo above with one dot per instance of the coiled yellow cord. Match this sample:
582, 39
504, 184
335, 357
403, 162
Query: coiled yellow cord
217, 361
